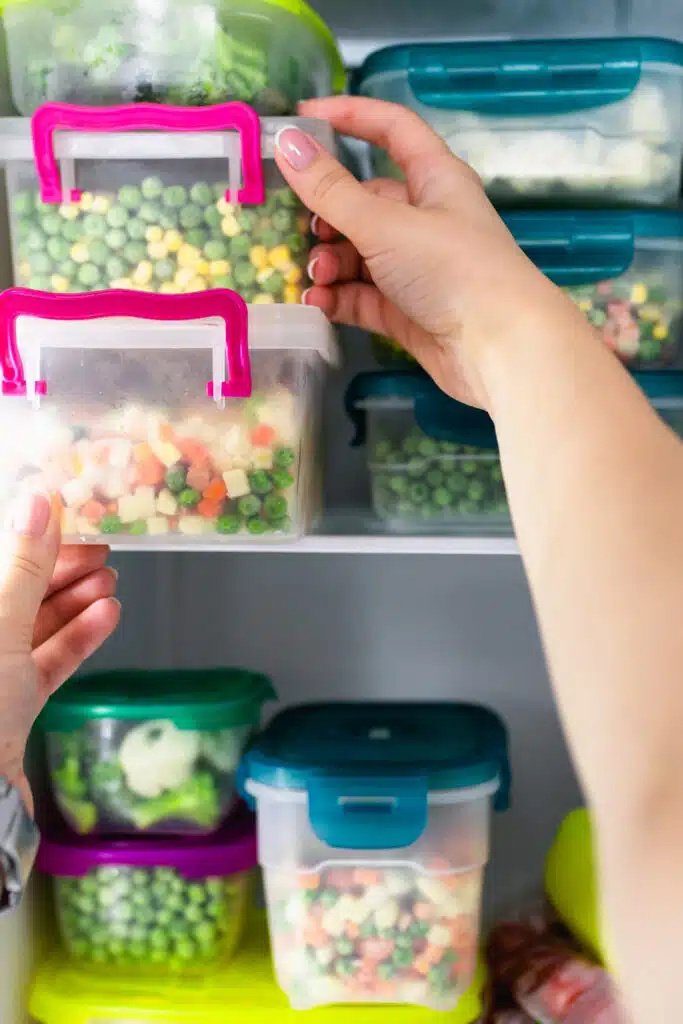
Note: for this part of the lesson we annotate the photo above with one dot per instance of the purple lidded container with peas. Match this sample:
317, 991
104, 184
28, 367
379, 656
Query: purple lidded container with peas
151, 904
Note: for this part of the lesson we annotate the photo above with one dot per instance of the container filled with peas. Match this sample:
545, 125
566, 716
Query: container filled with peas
434, 464
96, 205
167, 906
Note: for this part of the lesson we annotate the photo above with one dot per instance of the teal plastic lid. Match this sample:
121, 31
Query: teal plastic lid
437, 414
664, 388
368, 768
521, 78
193, 699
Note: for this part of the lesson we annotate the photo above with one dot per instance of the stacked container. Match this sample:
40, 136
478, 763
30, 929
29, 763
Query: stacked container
373, 837
153, 862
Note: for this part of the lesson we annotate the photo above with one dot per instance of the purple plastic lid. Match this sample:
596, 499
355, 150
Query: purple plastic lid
230, 850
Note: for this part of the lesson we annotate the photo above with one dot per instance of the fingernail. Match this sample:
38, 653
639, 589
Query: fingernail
310, 269
304, 296
298, 149
315, 224
114, 572
32, 514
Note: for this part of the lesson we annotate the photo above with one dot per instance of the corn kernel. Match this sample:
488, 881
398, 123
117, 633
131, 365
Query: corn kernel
86, 201
101, 204
292, 295
220, 268
173, 240
25, 271
638, 294
157, 250
303, 224
154, 233
230, 227
59, 283
79, 252
183, 277
263, 275
280, 257
143, 273
258, 257
224, 207
125, 283
69, 211
263, 299
168, 288
197, 284
203, 268
585, 305
660, 332
294, 275
188, 256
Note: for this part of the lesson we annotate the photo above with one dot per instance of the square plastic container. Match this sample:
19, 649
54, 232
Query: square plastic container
434, 464
151, 752
62, 992
373, 837
269, 53
623, 269
152, 198
561, 120
160, 906
142, 413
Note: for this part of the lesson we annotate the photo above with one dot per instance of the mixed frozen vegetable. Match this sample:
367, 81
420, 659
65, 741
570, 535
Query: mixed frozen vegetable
158, 235
151, 776
150, 918
366, 934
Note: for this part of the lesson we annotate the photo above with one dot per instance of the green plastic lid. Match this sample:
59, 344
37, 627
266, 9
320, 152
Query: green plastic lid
317, 27
216, 698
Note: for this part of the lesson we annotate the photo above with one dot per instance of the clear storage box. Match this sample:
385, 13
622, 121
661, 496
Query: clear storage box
373, 837
163, 906
152, 198
269, 53
624, 270
433, 462
142, 413
151, 752
562, 120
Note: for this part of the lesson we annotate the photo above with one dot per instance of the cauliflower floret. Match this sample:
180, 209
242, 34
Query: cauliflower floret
157, 756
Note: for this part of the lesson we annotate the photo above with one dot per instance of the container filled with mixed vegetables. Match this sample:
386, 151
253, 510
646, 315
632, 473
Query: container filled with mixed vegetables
269, 53
151, 752
163, 906
624, 270
113, 415
178, 209
433, 462
373, 837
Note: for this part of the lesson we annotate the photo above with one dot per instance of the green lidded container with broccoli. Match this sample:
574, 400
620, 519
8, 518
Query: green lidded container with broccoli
152, 753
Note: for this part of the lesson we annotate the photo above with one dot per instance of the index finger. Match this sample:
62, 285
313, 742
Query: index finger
74, 562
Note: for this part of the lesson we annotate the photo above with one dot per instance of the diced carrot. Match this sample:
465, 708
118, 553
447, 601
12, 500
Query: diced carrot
366, 876
193, 451
102, 455
112, 507
209, 509
314, 934
309, 880
216, 490
165, 432
151, 472
198, 476
423, 911
376, 950
352, 930
142, 452
433, 954
263, 436
93, 511
422, 965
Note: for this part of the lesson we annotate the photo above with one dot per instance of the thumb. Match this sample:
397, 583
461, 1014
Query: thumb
28, 553
325, 187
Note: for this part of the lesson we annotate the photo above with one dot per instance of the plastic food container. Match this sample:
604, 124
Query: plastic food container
624, 270
158, 199
269, 53
142, 412
434, 464
156, 905
151, 752
62, 991
373, 836
563, 120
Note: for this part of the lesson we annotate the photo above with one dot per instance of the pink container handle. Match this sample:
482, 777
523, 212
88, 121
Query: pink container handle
228, 305
52, 117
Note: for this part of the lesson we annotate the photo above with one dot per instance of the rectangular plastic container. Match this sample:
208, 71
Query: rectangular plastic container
151, 753
559, 121
373, 837
152, 198
158, 906
269, 53
623, 269
433, 462
142, 413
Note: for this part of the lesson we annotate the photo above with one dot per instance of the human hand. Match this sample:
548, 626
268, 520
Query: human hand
428, 263
57, 607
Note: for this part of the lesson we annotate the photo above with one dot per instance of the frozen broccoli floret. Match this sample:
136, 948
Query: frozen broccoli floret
68, 778
196, 800
108, 788
82, 814
223, 748
158, 756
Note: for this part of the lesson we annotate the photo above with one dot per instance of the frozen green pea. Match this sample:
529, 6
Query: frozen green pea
111, 524
274, 283
35, 240
247, 220
58, 249
282, 525
149, 212
201, 193
239, 248
228, 524
135, 252
152, 188
212, 217
190, 216
249, 505
260, 482
283, 220
284, 458
441, 497
116, 216
136, 229
296, 243
174, 196
71, 231
282, 479
88, 275
244, 274
138, 528
99, 252
216, 249
40, 263
274, 507
225, 281
164, 270
115, 269
168, 219
22, 204
197, 237
51, 224
129, 197
189, 497
175, 478
95, 225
